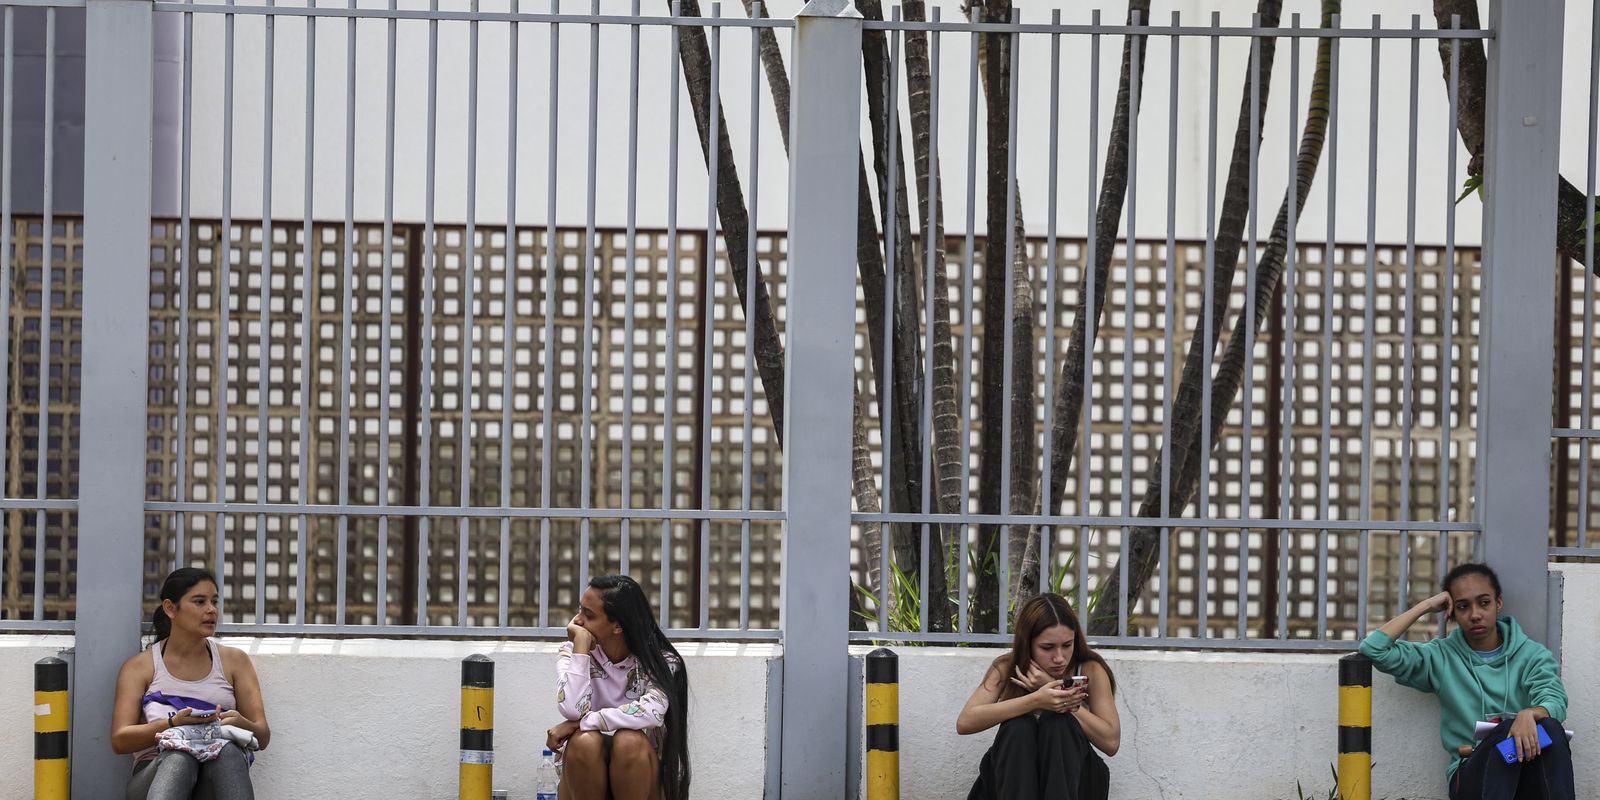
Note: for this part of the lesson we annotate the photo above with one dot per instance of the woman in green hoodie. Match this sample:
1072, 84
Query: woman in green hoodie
1487, 668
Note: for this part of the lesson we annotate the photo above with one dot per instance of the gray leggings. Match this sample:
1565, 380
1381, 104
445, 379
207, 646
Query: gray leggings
176, 775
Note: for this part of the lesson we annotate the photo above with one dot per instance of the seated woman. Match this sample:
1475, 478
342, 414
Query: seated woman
624, 691
1047, 719
189, 707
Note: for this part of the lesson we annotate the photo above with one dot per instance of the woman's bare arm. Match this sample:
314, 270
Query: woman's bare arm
1099, 717
129, 732
252, 711
984, 709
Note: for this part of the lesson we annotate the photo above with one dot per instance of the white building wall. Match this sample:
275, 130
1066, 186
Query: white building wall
1435, 189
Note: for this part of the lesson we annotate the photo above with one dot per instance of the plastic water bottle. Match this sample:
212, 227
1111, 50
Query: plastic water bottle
544, 781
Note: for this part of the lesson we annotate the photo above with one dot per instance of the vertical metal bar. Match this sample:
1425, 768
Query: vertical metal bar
1446, 376
749, 307
586, 388
508, 324
1409, 322
1586, 409
1286, 459
669, 428
118, 91
930, 230
962, 610
307, 280
469, 355
1203, 506
1087, 310
8, 274
1007, 375
632, 273
1328, 275
552, 266
1522, 127
886, 399
714, 102
1245, 467
387, 335
224, 269
347, 287
180, 552
265, 320
823, 167
1128, 290
1051, 299
1369, 301
46, 305
1167, 323
430, 302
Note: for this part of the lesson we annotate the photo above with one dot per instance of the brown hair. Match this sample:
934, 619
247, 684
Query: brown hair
1040, 613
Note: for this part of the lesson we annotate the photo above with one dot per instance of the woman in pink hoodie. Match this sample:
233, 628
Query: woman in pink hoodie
623, 690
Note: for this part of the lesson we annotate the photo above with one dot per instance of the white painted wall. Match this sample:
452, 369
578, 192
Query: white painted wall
1436, 189
378, 719
371, 719
1205, 725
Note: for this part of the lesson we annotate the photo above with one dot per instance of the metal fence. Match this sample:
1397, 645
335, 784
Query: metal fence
381, 390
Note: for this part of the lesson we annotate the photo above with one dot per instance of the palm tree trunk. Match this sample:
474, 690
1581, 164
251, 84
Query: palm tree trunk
994, 404
1571, 227
1143, 547
865, 489
903, 435
695, 56
946, 412
1108, 215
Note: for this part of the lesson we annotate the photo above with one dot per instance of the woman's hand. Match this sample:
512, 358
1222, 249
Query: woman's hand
1031, 678
582, 640
557, 737
1437, 603
1051, 697
236, 719
1526, 733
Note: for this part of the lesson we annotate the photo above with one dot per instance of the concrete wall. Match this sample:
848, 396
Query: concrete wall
1249, 725
377, 719
380, 719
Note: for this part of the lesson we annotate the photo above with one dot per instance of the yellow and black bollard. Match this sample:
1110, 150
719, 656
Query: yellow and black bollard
477, 727
883, 724
50, 736
1355, 727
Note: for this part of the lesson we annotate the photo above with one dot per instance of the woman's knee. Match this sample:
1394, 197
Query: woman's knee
585, 747
630, 746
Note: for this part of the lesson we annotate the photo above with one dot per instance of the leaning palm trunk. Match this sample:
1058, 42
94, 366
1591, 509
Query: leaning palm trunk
946, 411
1108, 215
995, 405
1572, 228
1143, 545
865, 489
903, 398
695, 57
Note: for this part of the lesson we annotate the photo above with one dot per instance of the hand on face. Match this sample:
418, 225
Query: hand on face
580, 636
1031, 678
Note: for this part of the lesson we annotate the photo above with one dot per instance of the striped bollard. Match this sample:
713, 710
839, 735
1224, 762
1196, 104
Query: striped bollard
477, 727
883, 724
1355, 727
50, 731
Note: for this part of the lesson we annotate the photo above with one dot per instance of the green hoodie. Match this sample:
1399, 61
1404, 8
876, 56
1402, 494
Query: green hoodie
1523, 676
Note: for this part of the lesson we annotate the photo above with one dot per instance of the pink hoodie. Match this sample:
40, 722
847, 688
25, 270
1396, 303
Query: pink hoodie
608, 697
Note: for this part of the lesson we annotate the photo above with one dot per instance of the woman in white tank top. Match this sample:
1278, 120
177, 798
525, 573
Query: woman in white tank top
185, 678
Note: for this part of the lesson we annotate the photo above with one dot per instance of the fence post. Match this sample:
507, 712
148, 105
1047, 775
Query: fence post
1516, 384
820, 362
1355, 727
116, 282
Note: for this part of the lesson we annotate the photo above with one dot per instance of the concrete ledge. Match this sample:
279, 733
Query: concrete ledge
370, 718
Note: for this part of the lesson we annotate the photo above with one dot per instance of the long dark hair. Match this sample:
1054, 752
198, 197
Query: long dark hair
627, 606
1040, 613
174, 588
